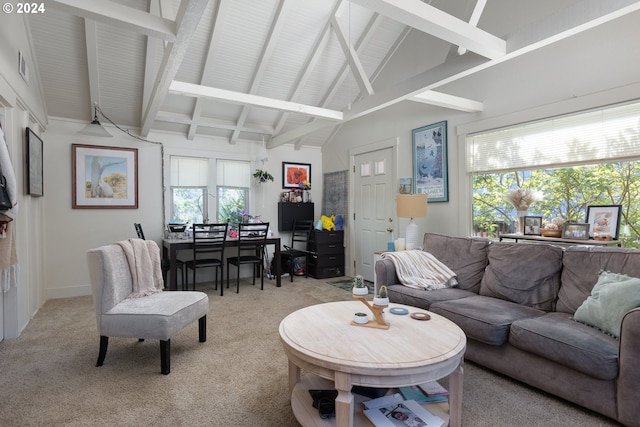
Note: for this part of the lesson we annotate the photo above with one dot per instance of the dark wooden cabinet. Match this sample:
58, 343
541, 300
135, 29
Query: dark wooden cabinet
328, 254
288, 212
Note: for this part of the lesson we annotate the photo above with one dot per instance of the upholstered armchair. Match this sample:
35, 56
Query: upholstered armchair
157, 316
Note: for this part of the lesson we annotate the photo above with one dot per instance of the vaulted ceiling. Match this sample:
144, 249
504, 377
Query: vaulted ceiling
288, 71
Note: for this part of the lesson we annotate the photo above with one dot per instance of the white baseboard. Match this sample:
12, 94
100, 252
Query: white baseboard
68, 292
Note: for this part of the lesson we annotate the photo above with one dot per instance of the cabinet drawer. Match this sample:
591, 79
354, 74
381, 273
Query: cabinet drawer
322, 237
326, 272
327, 260
327, 249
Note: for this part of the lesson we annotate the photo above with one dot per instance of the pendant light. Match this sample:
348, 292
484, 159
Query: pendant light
95, 128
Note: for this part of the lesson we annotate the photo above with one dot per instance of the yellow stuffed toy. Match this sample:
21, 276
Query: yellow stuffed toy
327, 222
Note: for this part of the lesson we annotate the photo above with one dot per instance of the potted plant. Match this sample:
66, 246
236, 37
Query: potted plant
361, 318
382, 299
359, 288
262, 176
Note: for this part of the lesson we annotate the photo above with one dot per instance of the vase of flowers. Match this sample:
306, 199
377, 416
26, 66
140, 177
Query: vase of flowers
521, 199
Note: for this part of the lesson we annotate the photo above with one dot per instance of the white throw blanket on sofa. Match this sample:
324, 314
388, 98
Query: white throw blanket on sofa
421, 270
143, 257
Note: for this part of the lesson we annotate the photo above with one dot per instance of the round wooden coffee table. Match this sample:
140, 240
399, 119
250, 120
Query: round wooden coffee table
321, 341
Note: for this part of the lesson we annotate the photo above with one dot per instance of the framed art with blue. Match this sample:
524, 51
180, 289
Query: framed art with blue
430, 173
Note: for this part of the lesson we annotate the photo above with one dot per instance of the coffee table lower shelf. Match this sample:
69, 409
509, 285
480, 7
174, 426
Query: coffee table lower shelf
307, 415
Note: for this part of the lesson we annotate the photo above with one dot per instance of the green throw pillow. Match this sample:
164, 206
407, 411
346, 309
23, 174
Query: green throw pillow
611, 298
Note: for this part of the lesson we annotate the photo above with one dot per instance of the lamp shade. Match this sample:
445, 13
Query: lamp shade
411, 205
95, 128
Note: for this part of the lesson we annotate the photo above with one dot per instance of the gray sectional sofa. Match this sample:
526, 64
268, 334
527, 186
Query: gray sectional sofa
516, 302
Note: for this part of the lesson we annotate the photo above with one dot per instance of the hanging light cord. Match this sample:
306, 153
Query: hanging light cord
128, 132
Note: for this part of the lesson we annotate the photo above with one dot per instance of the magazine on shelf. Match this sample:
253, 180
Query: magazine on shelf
393, 411
416, 393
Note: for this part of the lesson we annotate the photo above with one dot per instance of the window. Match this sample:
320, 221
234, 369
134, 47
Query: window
562, 158
189, 189
233, 184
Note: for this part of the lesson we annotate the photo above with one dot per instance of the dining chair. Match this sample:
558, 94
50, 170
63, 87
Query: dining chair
299, 245
208, 251
251, 242
180, 264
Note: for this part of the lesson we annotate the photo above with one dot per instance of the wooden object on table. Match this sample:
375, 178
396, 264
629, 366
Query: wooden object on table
333, 354
378, 321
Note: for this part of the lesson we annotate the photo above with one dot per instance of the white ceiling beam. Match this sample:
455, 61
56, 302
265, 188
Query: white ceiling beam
190, 89
93, 72
584, 15
277, 24
207, 122
187, 21
120, 16
352, 58
308, 66
448, 101
214, 42
475, 18
431, 20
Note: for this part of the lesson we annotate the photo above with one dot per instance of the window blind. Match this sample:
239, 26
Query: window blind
233, 173
189, 171
606, 134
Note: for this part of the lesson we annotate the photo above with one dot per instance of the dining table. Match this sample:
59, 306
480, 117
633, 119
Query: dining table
171, 247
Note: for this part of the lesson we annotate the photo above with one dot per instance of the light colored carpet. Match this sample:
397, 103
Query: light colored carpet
237, 378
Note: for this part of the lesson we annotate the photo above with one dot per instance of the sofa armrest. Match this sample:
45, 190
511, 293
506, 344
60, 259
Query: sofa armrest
629, 376
385, 273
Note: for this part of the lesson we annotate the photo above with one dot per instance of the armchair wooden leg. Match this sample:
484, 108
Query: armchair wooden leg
104, 342
202, 328
165, 356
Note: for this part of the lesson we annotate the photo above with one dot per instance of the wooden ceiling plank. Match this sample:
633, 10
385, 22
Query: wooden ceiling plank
115, 14
431, 20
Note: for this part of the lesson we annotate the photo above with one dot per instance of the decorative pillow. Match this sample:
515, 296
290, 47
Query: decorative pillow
612, 296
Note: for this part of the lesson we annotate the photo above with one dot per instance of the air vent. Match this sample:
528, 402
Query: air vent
22, 67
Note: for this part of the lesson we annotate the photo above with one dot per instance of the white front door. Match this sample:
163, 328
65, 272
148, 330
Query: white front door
374, 204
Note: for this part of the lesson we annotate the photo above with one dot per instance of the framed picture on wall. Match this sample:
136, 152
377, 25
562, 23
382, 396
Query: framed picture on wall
35, 164
430, 174
104, 177
604, 221
293, 174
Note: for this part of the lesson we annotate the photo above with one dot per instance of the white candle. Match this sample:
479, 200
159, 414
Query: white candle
400, 244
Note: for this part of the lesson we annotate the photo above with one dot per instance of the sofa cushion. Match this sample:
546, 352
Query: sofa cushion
528, 274
611, 298
422, 298
484, 319
467, 257
582, 266
556, 337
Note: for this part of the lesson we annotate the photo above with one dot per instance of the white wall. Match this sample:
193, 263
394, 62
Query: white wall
71, 232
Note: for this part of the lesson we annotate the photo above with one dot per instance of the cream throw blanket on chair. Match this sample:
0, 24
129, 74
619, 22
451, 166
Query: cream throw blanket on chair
421, 270
143, 257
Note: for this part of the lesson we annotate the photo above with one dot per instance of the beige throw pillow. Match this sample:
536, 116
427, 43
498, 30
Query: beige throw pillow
611, 298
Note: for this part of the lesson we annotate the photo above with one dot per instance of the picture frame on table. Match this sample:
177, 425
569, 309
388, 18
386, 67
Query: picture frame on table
35, 164
532, 225
295, 173
604, 221
430, 171
104, 177
575, 231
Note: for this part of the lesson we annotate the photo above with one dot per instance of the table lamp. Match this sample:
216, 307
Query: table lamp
411, 206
